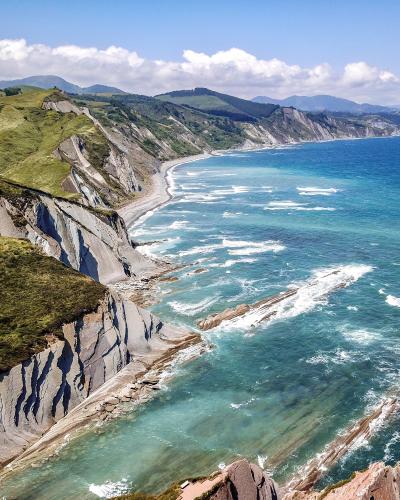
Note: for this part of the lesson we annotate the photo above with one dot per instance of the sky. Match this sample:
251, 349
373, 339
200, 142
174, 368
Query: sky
272, 47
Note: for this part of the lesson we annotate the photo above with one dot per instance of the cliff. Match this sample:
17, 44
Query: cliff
40, 391
92, 242
66, 164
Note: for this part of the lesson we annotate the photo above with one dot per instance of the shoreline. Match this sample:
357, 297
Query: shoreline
158, 194
133, 213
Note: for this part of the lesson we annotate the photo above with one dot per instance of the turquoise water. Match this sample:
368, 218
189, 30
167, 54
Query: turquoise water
278, 392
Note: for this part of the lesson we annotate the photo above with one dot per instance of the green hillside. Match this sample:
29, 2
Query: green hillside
166, 121
29, 135
27, 315
220, 104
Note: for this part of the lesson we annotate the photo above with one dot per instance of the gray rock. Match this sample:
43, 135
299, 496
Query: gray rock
37, 393
246, 481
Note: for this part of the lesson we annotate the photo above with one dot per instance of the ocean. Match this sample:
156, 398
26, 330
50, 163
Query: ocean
278, 390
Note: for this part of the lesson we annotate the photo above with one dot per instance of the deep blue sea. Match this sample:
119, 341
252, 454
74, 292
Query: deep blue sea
278, 392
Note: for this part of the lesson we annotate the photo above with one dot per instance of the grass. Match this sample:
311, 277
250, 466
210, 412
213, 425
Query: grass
38, 295
29, 135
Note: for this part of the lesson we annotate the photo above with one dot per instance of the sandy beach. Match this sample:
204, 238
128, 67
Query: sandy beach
158, 193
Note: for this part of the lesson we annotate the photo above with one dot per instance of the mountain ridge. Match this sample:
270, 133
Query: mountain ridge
325, 102
50, 81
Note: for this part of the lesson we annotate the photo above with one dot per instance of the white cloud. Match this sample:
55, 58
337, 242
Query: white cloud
361, 73
234, 71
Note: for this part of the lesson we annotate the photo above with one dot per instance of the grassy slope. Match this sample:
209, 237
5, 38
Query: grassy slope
220, 104
30, 134
37, 295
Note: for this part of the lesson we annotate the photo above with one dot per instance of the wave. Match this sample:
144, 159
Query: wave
390, 455
237, 247
178, 224
299, 298
232, 262
152, 249
205, 249
200, 198
231, 190
364, 337
227, 214
110, 489
192, 309
337, 357
236, 406
292, 205
393, 301
315, 191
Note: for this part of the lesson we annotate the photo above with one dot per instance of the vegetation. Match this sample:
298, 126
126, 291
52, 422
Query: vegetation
220, 104
38, 295
29, 135
337, 485
8, 91
171, 124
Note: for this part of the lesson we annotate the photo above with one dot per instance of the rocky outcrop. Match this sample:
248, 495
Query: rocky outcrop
246, 481
94, 243
42, 390
361, 431
318, 286
241, 480
378, 482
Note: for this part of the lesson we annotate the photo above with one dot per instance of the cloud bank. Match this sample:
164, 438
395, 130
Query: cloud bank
233, 71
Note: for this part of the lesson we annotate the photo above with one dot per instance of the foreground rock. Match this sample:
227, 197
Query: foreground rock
43, 390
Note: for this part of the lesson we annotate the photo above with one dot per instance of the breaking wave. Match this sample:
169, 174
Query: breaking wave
237, 247
192, 309
315, 191
110, 489
292, 205
393, 301
305, 296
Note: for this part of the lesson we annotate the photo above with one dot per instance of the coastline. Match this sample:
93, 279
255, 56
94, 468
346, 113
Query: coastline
158, 193
157, 196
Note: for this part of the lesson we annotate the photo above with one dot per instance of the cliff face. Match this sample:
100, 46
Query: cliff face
37, 393
93, 243
289, 125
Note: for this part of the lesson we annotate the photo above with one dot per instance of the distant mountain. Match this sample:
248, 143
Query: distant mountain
324, 103
219, 104
49, 81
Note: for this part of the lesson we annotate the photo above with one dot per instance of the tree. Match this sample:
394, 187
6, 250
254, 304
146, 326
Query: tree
12, 91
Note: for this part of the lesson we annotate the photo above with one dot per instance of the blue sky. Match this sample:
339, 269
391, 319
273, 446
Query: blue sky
305, 33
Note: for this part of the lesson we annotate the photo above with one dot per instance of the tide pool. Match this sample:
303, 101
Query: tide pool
258, 223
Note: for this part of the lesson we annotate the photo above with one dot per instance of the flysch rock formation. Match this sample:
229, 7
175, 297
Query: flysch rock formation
93, 243
246, 481
42, 390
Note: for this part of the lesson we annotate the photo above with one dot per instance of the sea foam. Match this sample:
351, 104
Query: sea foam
393, 301
309, 294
